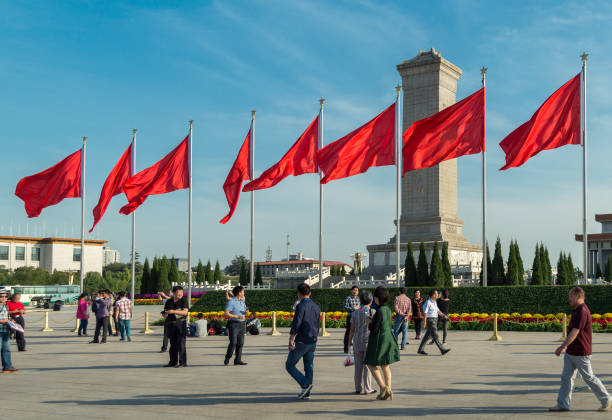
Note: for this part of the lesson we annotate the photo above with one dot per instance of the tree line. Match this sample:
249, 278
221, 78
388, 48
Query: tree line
435, 274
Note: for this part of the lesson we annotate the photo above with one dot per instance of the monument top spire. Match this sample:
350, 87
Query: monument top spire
425, 58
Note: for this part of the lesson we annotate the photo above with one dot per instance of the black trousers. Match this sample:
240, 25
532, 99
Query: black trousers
102, 324
347, 332
166, 336
418, 326
432, 333
19, 337
236, 330
443, 323
177, 332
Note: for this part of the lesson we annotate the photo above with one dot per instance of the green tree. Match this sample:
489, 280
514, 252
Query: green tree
410, 272
489, 267
342, 270
258, 278
536, 269
436, 271
498, 276
422, 274
562, 269
571, 272
31, 276
547, 275
332, 271
520, 266
512, 275
145, 282
446, 267
608, 271
243, 279
235, 266
217, 273
163, 283
200, 275
154, 276
208, 273
93, 282
173, 275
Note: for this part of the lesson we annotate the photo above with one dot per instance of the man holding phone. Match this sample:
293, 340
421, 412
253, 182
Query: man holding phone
176, 311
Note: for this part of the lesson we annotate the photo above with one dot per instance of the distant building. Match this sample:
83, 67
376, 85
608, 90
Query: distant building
182, 264
111, 256
599, 245
51, 254
297, 263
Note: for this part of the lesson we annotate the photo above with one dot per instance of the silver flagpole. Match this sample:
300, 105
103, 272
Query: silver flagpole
320, 145
398, 182
483, 71
252, 170
583, 133
81, 271
132, 173
190, 143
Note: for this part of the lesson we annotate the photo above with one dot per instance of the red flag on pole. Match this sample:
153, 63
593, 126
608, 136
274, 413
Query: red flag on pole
555, 124
455, 131
300, 159
169, 174
240, 172
370, 145
49, 187
113, 185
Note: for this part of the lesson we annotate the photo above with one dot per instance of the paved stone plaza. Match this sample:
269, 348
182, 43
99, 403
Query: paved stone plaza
64, 377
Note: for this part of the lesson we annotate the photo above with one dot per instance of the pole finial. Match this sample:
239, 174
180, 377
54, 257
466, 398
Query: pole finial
190, 124
398, 88
253, 111
134, 131
583, 57
483, 71
84, 140
322, 101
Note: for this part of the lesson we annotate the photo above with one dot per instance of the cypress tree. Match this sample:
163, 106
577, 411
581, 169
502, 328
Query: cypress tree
562, 269
200, 274
342, 270
569, 270
521, 267
422, 274
163, 284
242, 278
436, 271
332, 270
154, 276
489, 267
547, 266
217, 274
608, 271
258, 278
173, 275
536, 269
498, 275
512, 276
208, 273
446, 267
410, 272
145, 283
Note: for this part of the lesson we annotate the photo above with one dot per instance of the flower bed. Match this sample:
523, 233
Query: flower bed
156, 301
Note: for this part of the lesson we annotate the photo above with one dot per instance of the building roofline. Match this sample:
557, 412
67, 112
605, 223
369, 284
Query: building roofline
595, 237
603, 217
325, 262
50, 240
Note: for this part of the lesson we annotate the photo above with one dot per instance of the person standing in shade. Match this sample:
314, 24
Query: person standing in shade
16, 313
417, 313
382, 347
124, 315
578, 349
431, 312
164, 298
358, 338
303, 340
236, 310
83, 314
5, 334
403, 309
102, 317
351, 304
177, 310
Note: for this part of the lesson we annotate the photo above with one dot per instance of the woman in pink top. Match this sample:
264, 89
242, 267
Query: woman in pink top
83, 313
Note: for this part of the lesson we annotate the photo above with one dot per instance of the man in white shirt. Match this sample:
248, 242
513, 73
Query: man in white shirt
431, 313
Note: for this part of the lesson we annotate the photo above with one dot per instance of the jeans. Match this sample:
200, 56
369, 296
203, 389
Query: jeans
124, 328
19, 336
306, 352
443, 323
400, 325
348, 331
178, 346
5, 348
432, 333
83, 326
236, 339
582, 364
102, 324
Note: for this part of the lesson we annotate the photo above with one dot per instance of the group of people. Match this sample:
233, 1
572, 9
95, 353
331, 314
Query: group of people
105, 308
11, 323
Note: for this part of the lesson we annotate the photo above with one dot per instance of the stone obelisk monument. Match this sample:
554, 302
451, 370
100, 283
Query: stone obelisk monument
429, 196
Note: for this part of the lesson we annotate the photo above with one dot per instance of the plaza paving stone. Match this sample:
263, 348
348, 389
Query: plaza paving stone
62, 376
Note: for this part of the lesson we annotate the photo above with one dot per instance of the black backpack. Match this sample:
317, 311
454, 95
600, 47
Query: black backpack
94, 306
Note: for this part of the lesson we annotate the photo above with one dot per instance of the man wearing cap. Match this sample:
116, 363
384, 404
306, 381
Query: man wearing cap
5, 334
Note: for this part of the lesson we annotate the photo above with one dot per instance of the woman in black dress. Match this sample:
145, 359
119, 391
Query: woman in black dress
417, 313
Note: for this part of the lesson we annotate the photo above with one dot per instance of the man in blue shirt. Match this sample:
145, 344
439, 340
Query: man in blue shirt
236, 311
303, 340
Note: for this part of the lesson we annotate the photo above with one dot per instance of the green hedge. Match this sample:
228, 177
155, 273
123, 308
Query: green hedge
500, 299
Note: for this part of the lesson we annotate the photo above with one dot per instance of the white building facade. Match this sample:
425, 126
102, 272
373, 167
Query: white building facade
111, 256
50, 254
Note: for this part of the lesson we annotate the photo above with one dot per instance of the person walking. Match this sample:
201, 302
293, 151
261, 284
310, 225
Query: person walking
102, 317
83, 314
578, 349
16, 313
431, 312
124, 316
382, 346
358, 338
403, 309
5, 335
417, 313
236, 310
176, 310
303, 340
351, 304
443, 305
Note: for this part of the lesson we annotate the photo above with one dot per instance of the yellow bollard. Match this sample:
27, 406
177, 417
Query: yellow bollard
274, 330
46, 328
323, 331
495, 336
564, 335
76, 327
146, 330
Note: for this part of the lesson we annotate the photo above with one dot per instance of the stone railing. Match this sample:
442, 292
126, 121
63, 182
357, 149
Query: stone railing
364, 282
204, 287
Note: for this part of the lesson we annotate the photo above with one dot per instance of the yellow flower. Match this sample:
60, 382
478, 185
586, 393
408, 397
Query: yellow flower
474, 314
528, 315
504, 315
550, 316
595, 316
465, 315
483, 315
560, 315
454, 315
538, 316
516, 315
607, 315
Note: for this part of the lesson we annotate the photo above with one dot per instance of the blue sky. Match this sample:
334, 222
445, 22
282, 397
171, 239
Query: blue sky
99, 69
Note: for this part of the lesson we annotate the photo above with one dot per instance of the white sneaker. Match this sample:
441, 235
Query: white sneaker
606, 406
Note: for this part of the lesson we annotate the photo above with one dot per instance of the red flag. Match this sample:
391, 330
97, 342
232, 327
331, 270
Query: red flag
241, 171
555, 124
455, 131
169, 174
300, 159
49, 187
370, 145
113, 185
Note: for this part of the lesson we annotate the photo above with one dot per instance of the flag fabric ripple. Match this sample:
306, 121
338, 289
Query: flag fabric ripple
240, 172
